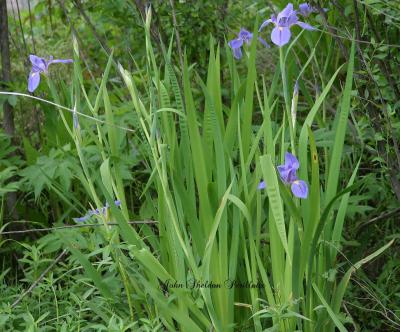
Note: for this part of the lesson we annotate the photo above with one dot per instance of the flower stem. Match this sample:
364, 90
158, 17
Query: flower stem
286, 97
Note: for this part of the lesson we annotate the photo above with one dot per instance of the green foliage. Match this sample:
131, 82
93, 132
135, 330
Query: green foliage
56, 168
186, 148
8, 167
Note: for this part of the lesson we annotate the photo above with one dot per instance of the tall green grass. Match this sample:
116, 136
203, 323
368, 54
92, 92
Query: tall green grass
206, 157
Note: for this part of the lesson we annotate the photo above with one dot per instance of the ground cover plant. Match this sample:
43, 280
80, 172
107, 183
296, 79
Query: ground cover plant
245, 178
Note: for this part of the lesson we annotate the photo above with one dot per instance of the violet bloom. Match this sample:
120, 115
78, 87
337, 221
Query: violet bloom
287, 172
96, 212
40, 66
244, 36
305, 9
283, 22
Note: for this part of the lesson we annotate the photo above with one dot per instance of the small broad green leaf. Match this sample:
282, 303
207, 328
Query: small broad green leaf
12, 100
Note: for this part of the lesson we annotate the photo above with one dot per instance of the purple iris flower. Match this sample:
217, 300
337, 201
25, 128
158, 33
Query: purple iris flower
305, 9
283, 22
96, 212
40, 65
244, 36
287, 172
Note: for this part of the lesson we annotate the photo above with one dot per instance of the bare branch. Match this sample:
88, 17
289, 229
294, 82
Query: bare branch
32, 287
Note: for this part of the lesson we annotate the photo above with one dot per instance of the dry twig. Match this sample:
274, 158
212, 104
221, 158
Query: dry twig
32, 287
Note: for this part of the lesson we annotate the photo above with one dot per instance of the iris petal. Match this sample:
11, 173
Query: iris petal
236, 43
264, 24
305, 9
33, 80
38, 64
237, 52
286, 12
292, 176
81, 219
262, 41
299, 189
245, 36
305, 26
284, 173
291, 161
280, 36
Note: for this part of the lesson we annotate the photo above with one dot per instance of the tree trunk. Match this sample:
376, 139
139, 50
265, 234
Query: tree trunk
8, 116
8, 122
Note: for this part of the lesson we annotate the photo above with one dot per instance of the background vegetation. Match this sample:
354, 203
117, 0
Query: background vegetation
44, 183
